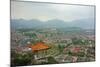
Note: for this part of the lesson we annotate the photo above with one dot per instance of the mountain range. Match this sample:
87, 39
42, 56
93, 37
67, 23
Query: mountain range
82, 23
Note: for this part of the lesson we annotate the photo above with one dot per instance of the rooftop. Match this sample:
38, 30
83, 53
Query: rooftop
39, 46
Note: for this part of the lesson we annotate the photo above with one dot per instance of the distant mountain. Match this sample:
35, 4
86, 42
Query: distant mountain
56, 23
82, 23
21, 23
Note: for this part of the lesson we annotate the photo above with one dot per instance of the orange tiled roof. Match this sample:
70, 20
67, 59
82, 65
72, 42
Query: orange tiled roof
39, 46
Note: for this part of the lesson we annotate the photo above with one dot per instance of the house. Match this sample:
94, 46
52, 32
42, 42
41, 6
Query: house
75, 49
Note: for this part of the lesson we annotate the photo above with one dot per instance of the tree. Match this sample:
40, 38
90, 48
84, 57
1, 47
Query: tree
22, 59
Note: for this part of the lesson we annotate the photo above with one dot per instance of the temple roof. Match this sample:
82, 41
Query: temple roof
39, 46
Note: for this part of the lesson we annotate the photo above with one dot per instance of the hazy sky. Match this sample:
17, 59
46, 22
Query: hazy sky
45, 12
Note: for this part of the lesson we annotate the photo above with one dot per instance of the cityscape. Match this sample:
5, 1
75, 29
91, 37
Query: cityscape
51, 41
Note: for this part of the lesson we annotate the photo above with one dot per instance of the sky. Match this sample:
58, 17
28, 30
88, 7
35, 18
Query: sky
48, 11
